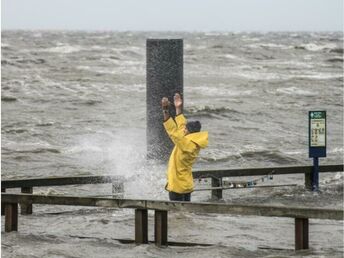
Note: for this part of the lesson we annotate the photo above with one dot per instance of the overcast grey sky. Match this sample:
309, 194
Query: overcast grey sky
180, 15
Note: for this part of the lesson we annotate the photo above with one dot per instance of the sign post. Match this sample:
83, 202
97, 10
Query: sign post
317, 143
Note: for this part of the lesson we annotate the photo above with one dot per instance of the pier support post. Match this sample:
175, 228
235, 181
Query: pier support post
308, 181
160, 228
141, 226
26, 208
216, 194
3, 190
301, 233
164, 77
11, 217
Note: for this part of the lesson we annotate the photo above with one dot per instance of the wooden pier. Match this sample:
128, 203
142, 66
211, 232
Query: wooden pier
301, 215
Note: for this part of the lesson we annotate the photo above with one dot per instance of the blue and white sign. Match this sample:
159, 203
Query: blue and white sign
317, 133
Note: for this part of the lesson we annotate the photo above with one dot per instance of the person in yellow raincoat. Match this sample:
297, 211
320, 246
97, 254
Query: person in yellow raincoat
188, 140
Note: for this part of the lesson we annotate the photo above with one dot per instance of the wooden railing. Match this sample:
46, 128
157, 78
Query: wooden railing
161, 209
27, 185
217, 175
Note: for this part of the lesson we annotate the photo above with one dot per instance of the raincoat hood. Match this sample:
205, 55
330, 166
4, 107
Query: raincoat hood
200, 138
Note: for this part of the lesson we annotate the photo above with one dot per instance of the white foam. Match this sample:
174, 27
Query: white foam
296, 91
272, 45
66, 49
229, 56
315, 47
320, 76
216, 91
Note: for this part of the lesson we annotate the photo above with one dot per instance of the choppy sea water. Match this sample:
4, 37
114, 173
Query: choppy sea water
73, 103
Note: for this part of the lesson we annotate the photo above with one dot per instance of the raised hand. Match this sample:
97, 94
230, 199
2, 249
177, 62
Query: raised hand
165, 103
178, 103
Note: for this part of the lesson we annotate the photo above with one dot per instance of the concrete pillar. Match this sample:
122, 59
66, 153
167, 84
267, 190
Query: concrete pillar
164, 78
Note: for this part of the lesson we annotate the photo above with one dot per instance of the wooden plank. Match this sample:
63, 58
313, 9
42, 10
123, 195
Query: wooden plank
203, 207
141, 226
265, 171
11, 217
301, 234
55, 181
26, 207
160, 228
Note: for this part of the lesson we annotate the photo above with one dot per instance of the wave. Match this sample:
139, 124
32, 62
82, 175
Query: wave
66, 49
210, 111
5, 45
337, 50
268, 156
315, 47
15, 131
335, 60
271, 46
296, 91
8, 99
131, 53
218, 46
31, 61
248, 155
6, 62
45, 124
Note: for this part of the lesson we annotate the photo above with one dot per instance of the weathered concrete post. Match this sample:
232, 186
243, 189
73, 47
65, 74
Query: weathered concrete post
164, 78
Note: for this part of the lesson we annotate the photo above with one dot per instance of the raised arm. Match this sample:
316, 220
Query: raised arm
178, 103
180, 119
165, 105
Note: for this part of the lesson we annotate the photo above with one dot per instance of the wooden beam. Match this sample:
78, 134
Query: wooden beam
199, 207
265, 171
55, 181
141, 226
301, 234
160, 228
26, 207
11, 217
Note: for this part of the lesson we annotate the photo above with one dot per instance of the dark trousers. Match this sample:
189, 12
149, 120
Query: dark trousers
179, 197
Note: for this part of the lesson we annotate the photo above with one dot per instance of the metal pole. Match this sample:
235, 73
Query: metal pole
315, 174
164, 78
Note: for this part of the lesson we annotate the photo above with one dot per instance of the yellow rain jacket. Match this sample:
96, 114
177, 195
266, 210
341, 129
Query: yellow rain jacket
184, 154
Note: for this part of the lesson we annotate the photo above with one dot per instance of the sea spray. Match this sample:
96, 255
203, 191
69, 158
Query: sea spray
123, 153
